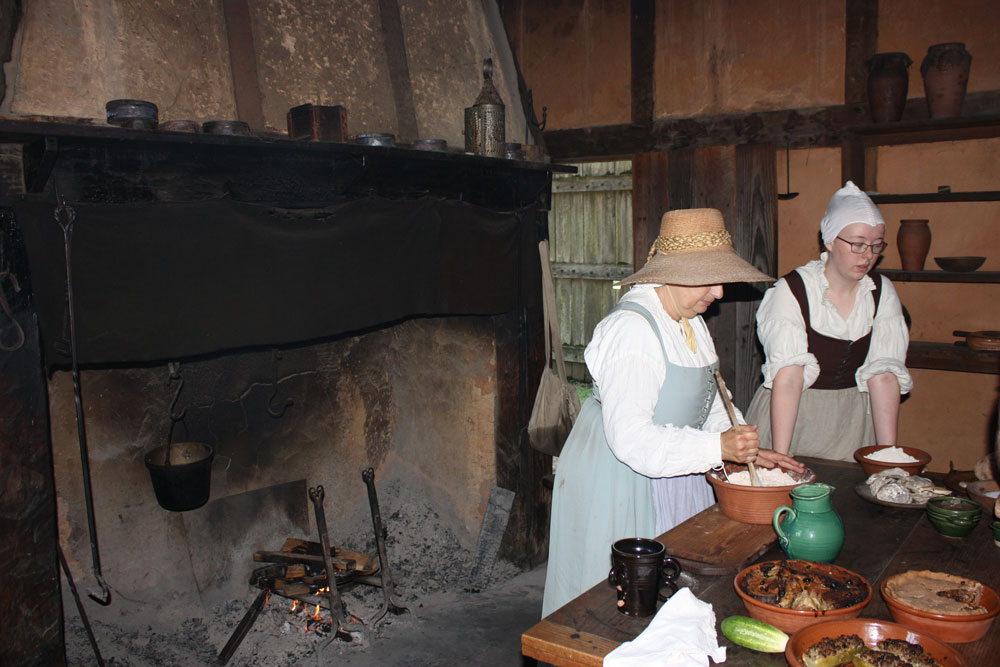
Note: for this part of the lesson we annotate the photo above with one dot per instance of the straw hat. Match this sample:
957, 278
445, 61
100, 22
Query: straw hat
694, 248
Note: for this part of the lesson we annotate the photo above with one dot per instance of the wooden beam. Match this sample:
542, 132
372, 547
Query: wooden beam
393, 40
650, 200
642, 31
861, 38
591, 271
618, 183
243, 61
806, 127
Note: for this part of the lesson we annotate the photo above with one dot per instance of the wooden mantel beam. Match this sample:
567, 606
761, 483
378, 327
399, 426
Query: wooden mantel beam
815, 126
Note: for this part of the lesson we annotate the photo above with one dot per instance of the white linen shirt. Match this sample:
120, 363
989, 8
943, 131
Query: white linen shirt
626, 361
782, 331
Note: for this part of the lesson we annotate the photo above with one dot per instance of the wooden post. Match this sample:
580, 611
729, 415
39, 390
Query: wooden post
520, 358
30, 603
740, 181
861, 41
650, 200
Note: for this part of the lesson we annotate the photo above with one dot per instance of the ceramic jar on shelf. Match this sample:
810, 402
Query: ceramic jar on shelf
888, 81
945, 69
913, 240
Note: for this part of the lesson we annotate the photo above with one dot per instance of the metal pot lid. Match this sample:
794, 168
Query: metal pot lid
376, 139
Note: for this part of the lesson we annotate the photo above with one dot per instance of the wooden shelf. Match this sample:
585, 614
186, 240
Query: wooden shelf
936, 197
858, 138
924, 131
945, 357
898, 275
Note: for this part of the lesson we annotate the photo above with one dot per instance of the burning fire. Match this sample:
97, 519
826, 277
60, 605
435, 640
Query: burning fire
316, 621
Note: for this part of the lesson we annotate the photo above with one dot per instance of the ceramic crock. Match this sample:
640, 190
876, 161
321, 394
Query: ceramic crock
812, 529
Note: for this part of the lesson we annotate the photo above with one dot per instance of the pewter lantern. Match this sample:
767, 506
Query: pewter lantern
485, 120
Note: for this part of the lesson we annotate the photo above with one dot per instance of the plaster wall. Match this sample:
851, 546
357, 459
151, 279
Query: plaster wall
72, 57
575, 58
718, 56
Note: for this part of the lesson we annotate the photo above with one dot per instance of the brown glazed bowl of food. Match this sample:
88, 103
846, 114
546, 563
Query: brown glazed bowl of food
952, 628
753, 504
765, 586
870, 632
871, 466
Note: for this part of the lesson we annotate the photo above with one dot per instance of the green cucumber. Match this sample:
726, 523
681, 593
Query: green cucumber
754, 634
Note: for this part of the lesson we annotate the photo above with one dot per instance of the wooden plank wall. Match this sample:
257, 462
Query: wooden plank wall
590, 232
740, 181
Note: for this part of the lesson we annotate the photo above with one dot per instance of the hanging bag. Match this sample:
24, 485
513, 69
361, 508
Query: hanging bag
556, 404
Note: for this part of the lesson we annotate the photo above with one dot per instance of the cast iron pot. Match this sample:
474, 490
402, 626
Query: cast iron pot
182, 483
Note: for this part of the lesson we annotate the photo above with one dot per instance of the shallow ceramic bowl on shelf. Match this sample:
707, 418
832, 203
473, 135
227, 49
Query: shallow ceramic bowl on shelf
871, 466
978, 491
871, 632
951, 628
966, 263
791, 620
753, 504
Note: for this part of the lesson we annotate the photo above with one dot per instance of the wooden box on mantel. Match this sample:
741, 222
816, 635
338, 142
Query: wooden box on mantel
317, 123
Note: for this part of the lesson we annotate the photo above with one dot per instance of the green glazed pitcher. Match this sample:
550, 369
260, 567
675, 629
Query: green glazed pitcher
813, 529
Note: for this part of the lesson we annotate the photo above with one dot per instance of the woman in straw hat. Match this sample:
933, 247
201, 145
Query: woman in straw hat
633, 464
835, 343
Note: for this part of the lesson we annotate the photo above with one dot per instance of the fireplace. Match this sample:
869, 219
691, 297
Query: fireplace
328, 307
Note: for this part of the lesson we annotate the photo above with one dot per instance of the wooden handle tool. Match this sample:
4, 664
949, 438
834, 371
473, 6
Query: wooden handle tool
732, 420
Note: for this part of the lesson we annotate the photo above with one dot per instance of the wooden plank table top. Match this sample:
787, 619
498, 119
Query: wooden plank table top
880, 541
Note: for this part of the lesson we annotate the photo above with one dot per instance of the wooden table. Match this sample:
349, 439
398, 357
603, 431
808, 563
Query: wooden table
880, 541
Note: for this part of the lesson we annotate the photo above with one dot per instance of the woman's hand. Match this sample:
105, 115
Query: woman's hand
740, 444
768, 458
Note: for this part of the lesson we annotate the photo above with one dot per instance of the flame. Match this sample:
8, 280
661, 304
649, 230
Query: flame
295, 606
323, 591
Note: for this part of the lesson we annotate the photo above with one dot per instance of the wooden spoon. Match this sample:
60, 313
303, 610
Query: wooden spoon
735, 422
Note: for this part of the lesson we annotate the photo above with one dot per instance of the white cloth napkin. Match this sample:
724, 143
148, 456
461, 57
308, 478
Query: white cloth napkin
682, 634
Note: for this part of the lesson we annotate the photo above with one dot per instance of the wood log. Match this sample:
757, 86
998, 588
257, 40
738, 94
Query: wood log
302, 552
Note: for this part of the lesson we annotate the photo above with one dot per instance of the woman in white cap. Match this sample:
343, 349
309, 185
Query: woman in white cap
633, 464
835, 343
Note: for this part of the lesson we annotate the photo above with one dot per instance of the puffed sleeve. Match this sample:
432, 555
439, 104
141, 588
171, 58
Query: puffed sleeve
629, 372
890, 340
782, 332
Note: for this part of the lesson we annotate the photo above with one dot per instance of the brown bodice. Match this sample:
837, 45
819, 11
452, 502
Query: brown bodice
838, 359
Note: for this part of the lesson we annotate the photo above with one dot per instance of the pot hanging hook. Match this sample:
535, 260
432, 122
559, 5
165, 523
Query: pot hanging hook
274, 409
173, 368
65, 216
788, 173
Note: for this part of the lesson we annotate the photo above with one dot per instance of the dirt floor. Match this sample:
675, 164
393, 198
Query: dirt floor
446, 624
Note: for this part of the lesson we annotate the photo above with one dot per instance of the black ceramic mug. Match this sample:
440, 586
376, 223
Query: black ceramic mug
639, 567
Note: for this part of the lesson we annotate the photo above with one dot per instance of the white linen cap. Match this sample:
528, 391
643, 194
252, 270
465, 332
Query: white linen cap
847, 206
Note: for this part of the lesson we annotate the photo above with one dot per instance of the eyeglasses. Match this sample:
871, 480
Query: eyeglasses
859, 247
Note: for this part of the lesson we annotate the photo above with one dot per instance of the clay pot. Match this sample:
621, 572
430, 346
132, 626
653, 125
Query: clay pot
945, 69
913, 241
888, 80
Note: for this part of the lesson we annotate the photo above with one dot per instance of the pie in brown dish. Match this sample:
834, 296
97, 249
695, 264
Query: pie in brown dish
805, 586
936, 592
